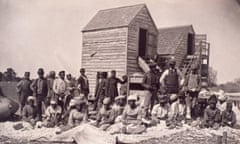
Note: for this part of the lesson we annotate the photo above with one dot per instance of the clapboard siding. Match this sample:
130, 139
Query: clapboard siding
142, 20
103, 51
181, 51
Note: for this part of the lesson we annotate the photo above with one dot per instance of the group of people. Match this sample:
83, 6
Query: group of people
169, 97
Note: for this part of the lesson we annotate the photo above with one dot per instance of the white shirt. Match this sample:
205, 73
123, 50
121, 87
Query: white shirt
59, 86
165, 73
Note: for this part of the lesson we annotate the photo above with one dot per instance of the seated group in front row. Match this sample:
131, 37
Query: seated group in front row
125, 115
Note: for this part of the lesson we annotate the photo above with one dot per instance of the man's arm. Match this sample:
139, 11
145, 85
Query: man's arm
33, 86
162, 78
181, 78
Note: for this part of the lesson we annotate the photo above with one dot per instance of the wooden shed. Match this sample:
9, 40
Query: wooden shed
114, 38
177, 42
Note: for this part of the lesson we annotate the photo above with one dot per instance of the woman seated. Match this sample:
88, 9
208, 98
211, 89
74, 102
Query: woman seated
52, 114
118, 107
131, 117
77, 114
29, 111
160, 110
105, 116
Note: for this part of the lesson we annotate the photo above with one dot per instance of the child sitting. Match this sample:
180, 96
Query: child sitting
118, 107
229, 116
212, 115
29, 111
160, 110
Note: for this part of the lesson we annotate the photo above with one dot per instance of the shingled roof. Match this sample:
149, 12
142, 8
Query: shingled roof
170, 38
112, 18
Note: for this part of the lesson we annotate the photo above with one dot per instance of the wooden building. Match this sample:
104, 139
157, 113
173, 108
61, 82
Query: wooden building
114, 38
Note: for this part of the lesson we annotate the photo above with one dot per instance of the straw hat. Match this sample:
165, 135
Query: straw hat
173, 97
30, 98
106, 101
53, 102
132, 97
119, 97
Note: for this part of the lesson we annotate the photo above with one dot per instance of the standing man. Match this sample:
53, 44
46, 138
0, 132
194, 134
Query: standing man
59, 88
151, 85
24, 90
83, 83
172, 79
40, 91
100, 91
111, 86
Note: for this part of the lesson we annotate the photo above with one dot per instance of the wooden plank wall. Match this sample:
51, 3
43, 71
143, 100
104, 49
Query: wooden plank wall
181, 51
142, 20
104, 50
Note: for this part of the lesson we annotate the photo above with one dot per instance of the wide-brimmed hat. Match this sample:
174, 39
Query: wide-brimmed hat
162, 98
30, 98
152, 65
53, 101
106, 101
132, 97
212, 99
172, 61
119, 97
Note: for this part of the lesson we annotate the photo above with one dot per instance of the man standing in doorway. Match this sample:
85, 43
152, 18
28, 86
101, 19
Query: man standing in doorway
24, 90
83, 83
40, 91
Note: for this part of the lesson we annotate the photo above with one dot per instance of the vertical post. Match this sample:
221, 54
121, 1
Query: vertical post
224, 138
219, 139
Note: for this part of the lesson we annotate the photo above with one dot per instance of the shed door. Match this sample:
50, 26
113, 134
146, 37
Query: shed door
142, 44
191, 44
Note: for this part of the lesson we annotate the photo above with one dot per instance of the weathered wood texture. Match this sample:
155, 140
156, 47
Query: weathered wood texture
142, 20
181, 51
103, 51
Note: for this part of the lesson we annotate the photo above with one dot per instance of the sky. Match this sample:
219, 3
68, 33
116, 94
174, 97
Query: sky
47, 33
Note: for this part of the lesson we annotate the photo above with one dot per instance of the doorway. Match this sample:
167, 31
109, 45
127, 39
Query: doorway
142, 43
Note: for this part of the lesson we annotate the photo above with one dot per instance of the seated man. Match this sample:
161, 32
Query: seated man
177, 111
212, 116
105, 116
29, 111
229, 116
77, 114
222, 102
53, 114
131, 117
118, 107
160, 110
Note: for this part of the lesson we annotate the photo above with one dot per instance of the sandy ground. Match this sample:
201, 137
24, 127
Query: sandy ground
155, 135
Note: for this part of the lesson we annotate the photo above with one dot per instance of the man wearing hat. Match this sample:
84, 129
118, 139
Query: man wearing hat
83, 83
24, 90
59, 88
151, 85
222, 101
100, 91
160, 110
229, 116
29, 111
40, 90
112, 86
212, 115
172, 79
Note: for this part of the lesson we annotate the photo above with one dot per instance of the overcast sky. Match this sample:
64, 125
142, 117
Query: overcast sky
47, 33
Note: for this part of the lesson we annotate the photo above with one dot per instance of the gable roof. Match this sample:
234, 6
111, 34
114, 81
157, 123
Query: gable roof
115, 17
170, 38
